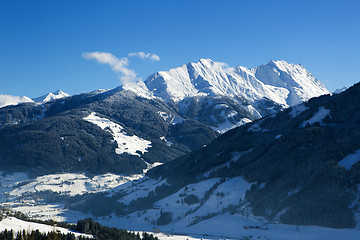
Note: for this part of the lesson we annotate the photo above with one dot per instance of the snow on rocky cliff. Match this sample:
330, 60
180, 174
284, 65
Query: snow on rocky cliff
282, 82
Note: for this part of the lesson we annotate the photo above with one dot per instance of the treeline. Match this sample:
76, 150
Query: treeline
37, 235
87, 226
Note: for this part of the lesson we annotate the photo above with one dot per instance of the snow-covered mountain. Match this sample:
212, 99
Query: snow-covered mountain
284, 83
51, 96
223, 97
6, 100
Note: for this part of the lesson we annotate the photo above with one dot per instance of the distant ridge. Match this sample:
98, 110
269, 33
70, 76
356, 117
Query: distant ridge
51, 96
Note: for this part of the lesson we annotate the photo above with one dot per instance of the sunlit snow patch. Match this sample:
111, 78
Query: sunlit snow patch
348, 161
73, 184
139, 88
150, 166
318, 117
164, 115
125, 143
228, 125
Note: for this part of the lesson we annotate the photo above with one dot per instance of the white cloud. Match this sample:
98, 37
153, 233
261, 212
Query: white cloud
142, 55
6, 100
222, 64
119, 66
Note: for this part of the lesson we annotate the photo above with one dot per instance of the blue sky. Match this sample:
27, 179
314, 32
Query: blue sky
42, 42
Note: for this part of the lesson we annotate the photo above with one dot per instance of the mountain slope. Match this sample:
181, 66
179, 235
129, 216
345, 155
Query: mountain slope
302, 163
300, 166
60, 136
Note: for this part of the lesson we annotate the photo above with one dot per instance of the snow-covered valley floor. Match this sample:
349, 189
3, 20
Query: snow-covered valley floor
215, 223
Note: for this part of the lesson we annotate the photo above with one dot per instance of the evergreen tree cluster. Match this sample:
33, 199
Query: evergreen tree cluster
37, 235
89, 226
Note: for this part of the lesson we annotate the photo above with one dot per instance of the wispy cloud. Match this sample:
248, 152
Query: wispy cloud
119, 66
142, 55
6, 100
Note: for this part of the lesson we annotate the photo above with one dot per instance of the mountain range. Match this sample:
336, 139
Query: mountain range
200, 143
169, 114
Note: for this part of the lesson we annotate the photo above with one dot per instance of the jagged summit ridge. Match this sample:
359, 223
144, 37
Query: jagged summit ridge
284, 83
51, 96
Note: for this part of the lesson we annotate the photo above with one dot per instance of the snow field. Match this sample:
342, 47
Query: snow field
12, 223
73, 184
228, 125
125, 143
175, 202
209, 204
139, 88
137, 189
317, 117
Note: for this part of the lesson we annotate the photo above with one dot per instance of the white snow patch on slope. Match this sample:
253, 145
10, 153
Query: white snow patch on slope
230, 192
166, 116
125, 143
139, 88
150, 166
169, 118
318, 117
137, 189
297, 109
221, 106
224, 193
175, 202
7, 100
12, 223
351, 159
228, 125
